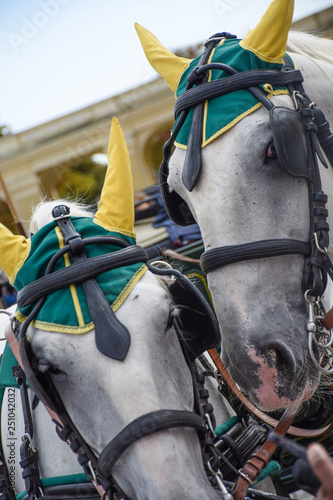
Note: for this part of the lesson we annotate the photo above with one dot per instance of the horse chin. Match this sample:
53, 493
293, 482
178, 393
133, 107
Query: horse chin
268, 399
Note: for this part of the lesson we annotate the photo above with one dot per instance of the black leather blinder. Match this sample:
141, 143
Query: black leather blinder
177, 208
291, 141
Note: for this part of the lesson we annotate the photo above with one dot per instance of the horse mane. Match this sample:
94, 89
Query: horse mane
312, 46
42, 213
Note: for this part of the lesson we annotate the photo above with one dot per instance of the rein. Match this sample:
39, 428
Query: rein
259, 460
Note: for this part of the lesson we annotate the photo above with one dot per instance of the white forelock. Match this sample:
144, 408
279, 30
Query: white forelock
42, 213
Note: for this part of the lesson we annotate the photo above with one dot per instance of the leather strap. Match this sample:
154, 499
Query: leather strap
14, 345
221, 256
258, 461
78, 272
146, 425
178, 256
15, 348
208, 90
327, 321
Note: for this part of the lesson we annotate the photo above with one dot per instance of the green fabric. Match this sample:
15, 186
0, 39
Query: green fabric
272, 468
8, 360
59, 306
223, 428
53, 481
222, 110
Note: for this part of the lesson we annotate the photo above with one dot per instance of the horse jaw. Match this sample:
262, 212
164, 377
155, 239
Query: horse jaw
103, 395
240, 198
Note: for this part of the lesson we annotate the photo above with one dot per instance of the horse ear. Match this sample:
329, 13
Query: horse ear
116, 206
169, 66
13, 250
268, 40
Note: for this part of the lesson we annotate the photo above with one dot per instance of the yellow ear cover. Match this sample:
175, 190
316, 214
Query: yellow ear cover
268, 40
169, 66
14, 249
116, 206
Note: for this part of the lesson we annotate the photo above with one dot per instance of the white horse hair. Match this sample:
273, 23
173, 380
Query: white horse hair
309, 45
103, 395
42, 213
240, 197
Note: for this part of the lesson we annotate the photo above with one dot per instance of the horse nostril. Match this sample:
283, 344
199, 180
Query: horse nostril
281, 356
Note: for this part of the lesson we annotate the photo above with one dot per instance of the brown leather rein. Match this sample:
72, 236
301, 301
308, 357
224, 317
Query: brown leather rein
258, 461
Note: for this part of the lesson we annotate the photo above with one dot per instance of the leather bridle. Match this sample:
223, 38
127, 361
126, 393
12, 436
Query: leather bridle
99, 468
314, 132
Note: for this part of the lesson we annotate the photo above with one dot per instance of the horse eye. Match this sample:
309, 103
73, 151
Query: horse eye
271, 152
45, 366
170, 321
174, 313
55, 371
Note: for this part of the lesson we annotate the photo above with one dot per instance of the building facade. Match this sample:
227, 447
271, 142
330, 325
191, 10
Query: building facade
30, 161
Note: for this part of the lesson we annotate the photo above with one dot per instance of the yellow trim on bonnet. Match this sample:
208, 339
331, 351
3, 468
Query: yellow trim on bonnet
129, 287
12, 278
72, 288
115, 229
52, 327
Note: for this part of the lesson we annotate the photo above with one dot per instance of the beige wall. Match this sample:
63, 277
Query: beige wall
320, 23
27, 157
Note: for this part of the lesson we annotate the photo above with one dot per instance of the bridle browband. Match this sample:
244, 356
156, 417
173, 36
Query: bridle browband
313, 129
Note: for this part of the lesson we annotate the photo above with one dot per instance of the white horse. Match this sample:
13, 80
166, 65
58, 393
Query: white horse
101, 394
243, 194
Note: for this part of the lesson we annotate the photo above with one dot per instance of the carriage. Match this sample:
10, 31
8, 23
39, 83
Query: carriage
121, 383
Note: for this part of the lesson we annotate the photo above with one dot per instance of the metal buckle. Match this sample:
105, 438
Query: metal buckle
27, 436
317, 244
246, 477
295, 95
218, 479
316, 336
210, 425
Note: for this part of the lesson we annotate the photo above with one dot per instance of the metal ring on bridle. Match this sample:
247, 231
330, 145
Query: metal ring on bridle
328, 344
328, 368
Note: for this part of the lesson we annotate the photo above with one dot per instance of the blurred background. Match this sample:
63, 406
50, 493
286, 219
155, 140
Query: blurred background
68, 66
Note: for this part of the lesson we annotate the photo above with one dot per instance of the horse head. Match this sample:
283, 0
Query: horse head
245, 169
121, 387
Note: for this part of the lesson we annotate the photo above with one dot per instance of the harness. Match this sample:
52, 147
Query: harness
298, 135
112, 339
